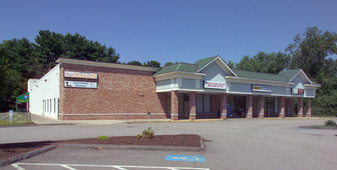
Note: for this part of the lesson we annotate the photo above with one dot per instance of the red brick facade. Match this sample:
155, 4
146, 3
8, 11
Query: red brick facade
131, 94
120, 94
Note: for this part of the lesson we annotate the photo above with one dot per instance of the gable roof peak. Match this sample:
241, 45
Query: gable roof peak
291, 74
203, 63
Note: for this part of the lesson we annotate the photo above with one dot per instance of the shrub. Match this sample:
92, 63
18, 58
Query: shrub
102, 138
325, 105
148, 133
330, 123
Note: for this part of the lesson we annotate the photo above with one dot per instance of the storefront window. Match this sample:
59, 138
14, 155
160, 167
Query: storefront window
54, 105
168, 103
180, 103
200, 103
207, 103
203, 103
276, 105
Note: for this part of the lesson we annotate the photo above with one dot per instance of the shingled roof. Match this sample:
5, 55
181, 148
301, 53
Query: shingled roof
289, 73
261, 76
178, 67
203, 62
185, 67
283, 76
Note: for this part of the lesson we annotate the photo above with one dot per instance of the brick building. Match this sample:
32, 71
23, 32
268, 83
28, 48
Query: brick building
76, 89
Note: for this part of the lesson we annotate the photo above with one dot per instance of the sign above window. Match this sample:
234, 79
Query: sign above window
215, 85
80, 75
81, 84
260, 88
297, 91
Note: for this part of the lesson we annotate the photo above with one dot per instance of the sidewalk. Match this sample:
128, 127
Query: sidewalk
42, 120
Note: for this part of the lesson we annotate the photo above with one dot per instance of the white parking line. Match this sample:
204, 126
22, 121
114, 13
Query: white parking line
18, 167
68, 167
120, 167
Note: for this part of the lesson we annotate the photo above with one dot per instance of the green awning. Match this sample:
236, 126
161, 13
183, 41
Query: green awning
23, 98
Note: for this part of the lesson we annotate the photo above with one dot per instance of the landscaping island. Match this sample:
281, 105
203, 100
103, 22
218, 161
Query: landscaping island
183, 140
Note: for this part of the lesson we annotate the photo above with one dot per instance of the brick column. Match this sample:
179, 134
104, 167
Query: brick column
249, 107
290, 107
192, 105
223, 106
261, 106
308, 108
300, 107
174, 105
282, 106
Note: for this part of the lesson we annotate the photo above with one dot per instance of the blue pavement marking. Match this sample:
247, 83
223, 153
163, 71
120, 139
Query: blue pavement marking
303, 129
191, 158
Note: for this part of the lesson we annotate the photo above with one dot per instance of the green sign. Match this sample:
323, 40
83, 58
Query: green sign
23, 98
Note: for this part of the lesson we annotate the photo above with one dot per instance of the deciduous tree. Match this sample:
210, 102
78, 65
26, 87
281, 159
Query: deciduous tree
310, 51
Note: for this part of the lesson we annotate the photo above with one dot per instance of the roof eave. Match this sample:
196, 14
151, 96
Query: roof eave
179, 72
103, 64
312, 85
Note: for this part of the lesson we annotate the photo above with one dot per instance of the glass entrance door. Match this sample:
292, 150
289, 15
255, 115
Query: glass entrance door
183, 106
270, 107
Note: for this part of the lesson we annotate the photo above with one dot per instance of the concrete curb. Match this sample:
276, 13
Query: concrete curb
48, 124
159, 121
26, 155
43, 124
295, 118
20, 125
137, 147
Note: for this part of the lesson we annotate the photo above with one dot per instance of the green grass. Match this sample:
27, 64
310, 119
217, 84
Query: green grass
2, 123
18, 119
318, 126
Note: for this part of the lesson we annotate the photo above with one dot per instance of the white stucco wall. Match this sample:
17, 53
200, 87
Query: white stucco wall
45, 89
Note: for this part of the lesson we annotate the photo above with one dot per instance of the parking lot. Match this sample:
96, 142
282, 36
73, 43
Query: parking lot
230, 144
85, 166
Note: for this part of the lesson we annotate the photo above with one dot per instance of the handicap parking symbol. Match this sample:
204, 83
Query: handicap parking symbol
191, 158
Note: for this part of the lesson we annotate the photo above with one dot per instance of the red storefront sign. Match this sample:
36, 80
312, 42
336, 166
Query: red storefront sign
298, 91
215, 85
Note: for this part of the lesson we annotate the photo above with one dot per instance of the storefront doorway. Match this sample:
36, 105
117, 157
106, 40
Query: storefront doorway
183, 106
271, 107
237, 107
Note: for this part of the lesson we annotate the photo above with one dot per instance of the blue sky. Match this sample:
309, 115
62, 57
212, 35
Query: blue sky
172, 30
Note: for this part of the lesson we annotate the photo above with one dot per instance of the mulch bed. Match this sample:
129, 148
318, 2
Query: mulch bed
158, 140
185, 140
13, 149
314, 127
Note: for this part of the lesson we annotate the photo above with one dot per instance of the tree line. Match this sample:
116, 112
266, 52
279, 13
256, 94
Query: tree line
21, 60
310, 51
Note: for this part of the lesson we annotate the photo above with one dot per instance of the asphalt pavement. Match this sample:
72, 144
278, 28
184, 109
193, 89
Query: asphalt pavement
231, 144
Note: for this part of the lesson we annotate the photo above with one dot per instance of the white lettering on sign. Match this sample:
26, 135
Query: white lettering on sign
260, 88
80, 75
297, 91
80, 84
215, 85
